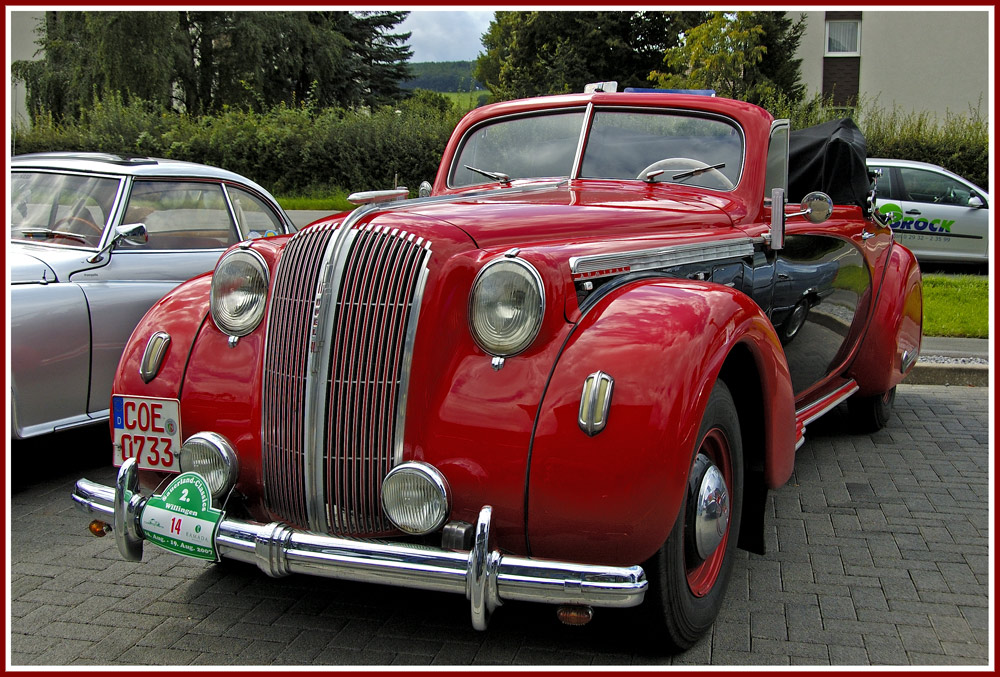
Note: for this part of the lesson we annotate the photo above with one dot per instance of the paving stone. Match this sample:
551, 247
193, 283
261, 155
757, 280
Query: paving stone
878, 554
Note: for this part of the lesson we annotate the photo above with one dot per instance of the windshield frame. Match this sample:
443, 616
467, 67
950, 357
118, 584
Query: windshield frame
589, 110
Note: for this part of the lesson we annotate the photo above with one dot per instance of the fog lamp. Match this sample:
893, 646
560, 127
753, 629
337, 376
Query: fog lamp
416, 497
213, 457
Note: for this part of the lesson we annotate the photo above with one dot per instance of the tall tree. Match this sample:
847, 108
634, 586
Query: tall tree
200, 61
741, 55
529, 53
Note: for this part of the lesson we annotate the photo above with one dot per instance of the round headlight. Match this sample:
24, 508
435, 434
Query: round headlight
416, 497
239, 292
506, 306
213, 457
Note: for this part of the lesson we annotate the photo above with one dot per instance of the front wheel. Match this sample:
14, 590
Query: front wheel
689, 574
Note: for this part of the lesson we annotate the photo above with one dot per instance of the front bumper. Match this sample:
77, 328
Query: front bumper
485, 576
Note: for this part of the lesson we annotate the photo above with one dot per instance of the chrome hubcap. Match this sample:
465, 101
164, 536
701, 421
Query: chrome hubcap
711, 517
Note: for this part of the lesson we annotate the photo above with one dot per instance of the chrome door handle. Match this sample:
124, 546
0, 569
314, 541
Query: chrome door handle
913, 211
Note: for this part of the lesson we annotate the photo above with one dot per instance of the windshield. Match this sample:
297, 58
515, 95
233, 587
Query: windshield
631, 144
69, 209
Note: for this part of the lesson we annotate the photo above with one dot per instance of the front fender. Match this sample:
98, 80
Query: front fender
892, 342
665, 343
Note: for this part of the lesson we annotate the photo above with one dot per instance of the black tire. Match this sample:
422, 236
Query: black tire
686, 591
871, 413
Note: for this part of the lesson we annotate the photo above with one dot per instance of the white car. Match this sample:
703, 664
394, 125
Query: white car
95, 240
937, 214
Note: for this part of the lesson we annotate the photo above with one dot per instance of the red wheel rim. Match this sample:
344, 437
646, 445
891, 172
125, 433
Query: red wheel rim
701, 579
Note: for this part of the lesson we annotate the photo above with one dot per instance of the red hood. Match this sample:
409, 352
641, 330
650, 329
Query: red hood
584, 211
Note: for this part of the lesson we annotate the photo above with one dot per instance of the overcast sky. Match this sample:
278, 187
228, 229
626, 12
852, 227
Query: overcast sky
446, 34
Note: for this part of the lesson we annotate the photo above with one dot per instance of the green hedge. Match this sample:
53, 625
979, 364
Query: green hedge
959, 143
307, 151
288, 150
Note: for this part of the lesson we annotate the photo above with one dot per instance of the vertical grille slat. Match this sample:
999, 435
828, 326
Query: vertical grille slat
371, 310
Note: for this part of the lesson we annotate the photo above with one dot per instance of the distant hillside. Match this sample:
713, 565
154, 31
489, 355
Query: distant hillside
442, 76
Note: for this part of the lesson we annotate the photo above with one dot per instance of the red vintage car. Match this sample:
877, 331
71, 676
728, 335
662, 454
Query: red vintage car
569, 373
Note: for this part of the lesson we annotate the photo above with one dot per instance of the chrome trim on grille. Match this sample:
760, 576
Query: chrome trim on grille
341, 328
659, 257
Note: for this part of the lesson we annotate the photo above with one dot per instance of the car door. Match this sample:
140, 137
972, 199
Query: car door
935, 215
190, 224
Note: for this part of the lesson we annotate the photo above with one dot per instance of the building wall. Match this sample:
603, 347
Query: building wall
937, 61
22, 47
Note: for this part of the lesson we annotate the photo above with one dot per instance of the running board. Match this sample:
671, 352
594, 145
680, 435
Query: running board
811, 412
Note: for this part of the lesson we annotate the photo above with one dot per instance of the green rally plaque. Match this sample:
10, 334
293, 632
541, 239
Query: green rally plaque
182, 519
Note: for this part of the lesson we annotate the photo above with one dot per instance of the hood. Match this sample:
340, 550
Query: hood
28, 263
584, 211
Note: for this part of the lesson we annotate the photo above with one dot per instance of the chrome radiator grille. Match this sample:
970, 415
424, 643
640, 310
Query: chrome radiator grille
343, 313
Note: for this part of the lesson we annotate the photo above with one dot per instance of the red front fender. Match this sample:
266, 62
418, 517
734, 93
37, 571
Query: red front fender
614, 497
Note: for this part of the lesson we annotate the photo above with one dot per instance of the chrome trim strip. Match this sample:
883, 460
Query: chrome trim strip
832, 401
318, 367
659, 257
574, 171
485, 576
408, 341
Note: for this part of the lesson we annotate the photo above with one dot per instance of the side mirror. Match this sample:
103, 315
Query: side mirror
425, 189
976, 202
133, 233
816, 207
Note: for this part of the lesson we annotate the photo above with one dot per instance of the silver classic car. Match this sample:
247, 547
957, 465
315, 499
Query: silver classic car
95, 240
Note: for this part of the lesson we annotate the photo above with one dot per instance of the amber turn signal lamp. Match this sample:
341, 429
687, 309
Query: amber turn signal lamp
99, 528
574, 614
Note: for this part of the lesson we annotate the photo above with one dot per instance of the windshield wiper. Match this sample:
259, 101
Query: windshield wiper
496, 176
696, 172
54, 234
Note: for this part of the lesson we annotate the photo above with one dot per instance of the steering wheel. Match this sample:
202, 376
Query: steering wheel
78, 219
685, 164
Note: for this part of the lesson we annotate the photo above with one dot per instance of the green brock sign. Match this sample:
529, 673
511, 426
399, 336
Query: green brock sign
182, 519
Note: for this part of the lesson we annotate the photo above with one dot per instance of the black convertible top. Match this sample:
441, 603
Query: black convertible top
829, 157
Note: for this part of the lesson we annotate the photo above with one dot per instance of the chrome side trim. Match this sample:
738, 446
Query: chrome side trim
826, 404
484, 575
593, 407
152, 356
599, 265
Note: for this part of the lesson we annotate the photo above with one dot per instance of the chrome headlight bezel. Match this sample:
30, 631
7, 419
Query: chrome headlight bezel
216, 451
507, 342
251, 279
416, 498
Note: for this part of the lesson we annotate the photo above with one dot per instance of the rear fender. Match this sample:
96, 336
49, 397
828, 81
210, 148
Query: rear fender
891, 345
664, 342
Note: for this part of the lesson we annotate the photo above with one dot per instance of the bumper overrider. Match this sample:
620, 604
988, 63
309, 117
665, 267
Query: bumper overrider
485, 576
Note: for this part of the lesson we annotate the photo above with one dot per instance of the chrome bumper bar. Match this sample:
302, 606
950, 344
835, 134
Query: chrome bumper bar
485, 576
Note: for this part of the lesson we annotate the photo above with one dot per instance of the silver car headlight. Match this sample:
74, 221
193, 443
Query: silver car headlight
506, 306
416, 497
213, 457
239, 292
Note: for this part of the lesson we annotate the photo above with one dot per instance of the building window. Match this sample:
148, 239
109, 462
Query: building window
843, 38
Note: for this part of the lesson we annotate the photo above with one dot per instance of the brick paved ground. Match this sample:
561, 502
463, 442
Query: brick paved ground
878, 554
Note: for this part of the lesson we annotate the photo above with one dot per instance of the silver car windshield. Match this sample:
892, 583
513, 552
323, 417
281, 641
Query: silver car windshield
63, 209
630, 144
